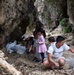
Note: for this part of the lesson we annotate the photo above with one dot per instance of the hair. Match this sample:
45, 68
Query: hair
40, 30
35, 33
51, 39
39, 25
60, 38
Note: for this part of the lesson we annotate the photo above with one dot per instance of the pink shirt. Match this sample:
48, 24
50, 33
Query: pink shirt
41, 44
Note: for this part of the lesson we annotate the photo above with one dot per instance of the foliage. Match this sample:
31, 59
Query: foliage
64, 22
66, 27
49, 35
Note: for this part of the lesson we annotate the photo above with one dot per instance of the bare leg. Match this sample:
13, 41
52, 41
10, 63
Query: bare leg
47, 64
61, 62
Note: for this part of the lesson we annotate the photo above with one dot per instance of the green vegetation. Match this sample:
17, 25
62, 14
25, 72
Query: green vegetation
64, 22
49, 35
66, 27
49, 21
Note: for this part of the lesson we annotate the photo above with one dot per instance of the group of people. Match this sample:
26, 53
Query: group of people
55, 53
37, 43
51, 57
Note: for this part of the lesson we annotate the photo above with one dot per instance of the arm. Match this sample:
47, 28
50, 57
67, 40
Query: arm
52, 61
66, 47
71, 50
50, 55
41, 40
50, 58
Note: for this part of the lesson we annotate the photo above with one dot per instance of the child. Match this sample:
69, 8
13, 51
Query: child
29, 44
35, 46
41, 44
51, 40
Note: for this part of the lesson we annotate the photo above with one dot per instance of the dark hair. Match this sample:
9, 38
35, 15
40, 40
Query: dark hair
51, 39
40, 30
60, 38
39, 25
35, 33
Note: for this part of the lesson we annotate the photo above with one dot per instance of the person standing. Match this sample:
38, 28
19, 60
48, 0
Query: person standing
41, 44
35, 48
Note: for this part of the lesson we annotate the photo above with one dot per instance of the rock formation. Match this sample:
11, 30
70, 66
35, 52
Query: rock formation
16, 15
49, 10
71, 14
14, 18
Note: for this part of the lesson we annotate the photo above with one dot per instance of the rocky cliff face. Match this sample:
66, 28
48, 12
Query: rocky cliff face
16, 15
12, 12
71, 11
49, 10
71, 14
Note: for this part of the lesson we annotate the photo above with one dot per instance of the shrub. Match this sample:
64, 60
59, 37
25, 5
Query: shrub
64, 22
66, 27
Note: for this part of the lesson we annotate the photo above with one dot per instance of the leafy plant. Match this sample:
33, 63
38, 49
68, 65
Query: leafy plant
64, 22
66, 27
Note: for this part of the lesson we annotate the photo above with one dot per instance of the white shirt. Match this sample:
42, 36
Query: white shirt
57, 52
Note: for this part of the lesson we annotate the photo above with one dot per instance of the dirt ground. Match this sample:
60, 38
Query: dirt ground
25, 64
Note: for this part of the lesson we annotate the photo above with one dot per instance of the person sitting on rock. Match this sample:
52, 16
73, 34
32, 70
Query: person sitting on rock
55, 53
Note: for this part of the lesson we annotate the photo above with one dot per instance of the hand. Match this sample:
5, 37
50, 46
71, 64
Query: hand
57, 65
37, 42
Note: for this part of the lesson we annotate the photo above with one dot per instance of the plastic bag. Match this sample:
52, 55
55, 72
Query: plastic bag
20, 49
10, 47
13, 47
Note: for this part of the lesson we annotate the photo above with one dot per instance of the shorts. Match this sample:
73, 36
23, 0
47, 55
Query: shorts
57, 59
